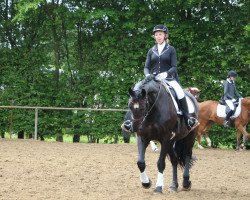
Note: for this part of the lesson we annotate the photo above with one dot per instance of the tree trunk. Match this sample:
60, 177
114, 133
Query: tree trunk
20, 134
76, 138
59, 136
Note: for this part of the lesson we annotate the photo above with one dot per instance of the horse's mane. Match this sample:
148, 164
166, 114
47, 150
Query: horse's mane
149, 86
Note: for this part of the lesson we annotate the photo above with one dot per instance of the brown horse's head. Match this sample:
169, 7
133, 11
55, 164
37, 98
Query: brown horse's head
194, 91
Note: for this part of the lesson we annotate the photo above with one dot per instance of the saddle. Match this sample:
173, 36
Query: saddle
176, 100
172, 93
223, 102
223, 109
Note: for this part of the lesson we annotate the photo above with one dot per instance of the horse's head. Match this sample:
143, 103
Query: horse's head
141, 96
137, 103
142, 101
194, 91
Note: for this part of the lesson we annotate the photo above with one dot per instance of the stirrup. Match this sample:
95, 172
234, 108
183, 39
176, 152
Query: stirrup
225, 124
127, 126
192, 123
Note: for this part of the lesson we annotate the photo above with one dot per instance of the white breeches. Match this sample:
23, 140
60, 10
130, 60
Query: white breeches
177, 88
230, 104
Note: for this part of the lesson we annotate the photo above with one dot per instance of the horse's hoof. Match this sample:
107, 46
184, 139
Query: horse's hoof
173, 188
158, 189
237, 148
187, 186
147, 185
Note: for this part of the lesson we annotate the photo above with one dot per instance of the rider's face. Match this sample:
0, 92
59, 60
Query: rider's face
233, 78
160, 37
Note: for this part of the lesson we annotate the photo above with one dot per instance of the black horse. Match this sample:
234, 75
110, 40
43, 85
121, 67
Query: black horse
155, 118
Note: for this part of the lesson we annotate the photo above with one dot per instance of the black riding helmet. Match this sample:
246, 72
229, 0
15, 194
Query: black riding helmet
160, 27
232, 74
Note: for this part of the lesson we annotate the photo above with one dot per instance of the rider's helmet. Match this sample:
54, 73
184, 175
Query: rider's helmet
160, 27
232, 74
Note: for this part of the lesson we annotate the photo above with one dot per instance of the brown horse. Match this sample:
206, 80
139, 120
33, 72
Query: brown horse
208, 116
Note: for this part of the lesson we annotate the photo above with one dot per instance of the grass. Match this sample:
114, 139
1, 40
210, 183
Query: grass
68, 138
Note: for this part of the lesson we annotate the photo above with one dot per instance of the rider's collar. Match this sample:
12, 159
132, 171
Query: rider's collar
229, 80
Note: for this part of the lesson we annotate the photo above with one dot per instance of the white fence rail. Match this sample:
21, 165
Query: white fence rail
58, 108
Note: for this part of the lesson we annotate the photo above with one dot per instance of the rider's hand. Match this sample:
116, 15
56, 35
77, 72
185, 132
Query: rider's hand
233, 100
149, 77
162, 76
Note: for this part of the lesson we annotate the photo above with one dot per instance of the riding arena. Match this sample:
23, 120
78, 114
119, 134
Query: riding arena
32, 169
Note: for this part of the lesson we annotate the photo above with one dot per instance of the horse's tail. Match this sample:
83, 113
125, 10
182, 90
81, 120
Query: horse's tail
179, 154
183, 150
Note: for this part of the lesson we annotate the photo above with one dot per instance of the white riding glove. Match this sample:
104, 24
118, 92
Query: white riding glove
162, 76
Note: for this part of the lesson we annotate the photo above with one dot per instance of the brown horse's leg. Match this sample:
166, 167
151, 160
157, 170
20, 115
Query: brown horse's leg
203, 127
200, 131
198, 138
241, 130
238, 139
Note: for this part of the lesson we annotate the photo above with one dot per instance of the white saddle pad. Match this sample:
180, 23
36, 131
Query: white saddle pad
221, 110
190, 104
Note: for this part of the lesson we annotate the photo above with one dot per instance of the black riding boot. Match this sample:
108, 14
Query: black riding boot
190, 121
127, 126
229, 114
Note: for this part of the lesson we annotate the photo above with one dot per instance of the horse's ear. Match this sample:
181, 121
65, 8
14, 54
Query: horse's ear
143, 93
131, 92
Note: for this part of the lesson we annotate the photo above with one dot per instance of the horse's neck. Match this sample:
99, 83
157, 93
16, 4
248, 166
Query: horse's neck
246, 103
162, 102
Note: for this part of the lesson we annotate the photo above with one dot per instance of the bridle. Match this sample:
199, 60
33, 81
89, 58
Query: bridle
148, 109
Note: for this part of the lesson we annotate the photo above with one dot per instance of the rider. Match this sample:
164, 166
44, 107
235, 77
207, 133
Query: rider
230, 92
162, 63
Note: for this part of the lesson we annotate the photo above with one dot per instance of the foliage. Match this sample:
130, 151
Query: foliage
61, 53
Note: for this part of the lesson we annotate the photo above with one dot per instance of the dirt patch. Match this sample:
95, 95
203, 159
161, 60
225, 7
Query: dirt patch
44, 170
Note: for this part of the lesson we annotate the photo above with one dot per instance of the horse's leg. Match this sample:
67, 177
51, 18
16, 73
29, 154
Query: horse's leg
174, 185
204, 129
245, 140
241, 130
161, 167
146, 182
186, 182
201, 130
238, 137
153, 146
198, 138
209, 142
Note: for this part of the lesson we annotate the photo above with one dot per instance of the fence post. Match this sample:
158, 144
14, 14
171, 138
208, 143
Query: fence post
36, 122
